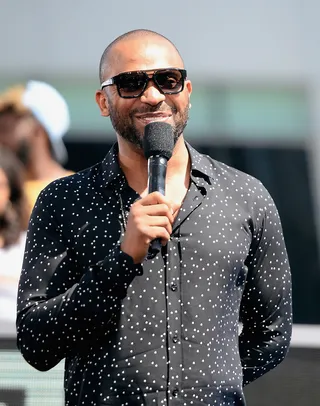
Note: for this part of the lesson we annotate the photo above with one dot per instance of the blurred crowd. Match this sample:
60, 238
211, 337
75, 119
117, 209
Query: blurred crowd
34, 118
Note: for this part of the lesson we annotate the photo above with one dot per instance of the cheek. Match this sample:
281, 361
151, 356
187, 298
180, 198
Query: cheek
180, 102
124, 110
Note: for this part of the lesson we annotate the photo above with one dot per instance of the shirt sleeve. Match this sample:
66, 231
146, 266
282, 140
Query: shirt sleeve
62, 308
266, 308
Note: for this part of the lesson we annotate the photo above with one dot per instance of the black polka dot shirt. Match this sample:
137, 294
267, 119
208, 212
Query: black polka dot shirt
164, 332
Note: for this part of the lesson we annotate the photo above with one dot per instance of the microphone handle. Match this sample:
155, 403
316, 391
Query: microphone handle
157, 169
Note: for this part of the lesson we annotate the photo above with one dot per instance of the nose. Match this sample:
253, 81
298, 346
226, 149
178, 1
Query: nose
152, 95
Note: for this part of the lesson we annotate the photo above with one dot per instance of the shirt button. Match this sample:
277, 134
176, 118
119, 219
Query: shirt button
175, 393
174, 286
175, 338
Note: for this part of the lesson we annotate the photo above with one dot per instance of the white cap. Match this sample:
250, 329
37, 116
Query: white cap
51, 110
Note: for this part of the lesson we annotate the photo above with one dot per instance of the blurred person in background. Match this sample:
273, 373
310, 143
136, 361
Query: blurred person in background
14, 215
163, 329
33, 121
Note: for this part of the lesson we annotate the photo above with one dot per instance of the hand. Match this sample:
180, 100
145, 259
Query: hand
150, 217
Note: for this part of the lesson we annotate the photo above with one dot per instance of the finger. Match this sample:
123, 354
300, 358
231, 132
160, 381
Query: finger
161, 233
137, 211
159, 210
154, 198
151, 233
160, 221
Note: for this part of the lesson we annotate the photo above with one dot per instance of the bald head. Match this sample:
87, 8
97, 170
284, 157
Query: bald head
111, 53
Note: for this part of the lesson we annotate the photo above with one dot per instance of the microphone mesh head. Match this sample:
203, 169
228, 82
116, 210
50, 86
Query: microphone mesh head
158, 140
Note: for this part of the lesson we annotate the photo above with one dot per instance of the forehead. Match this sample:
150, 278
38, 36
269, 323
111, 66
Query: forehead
143, 54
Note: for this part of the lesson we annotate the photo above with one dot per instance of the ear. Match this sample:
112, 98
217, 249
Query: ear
102, 102
188, 86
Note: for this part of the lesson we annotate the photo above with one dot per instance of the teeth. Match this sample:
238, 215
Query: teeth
155, 118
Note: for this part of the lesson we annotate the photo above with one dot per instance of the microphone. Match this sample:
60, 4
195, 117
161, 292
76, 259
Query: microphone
158, 145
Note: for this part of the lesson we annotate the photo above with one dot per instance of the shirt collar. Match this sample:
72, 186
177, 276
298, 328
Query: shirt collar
111, 171
200, 165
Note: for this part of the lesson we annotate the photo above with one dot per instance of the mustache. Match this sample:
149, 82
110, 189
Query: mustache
153, 109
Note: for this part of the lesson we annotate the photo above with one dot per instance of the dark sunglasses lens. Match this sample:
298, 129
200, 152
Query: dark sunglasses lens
170, 81
131, 84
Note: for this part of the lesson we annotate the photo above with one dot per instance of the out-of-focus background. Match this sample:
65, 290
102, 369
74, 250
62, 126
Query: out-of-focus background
255, 68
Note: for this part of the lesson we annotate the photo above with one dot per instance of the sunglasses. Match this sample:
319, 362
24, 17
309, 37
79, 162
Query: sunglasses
132, 84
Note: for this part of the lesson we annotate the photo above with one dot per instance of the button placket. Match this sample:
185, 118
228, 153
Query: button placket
174, 317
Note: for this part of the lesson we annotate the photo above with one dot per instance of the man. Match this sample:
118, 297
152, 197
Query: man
33, 120
137, 330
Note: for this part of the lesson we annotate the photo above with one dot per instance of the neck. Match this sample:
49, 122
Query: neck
135, 165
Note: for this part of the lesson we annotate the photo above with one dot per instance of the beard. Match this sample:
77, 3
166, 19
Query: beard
123, 125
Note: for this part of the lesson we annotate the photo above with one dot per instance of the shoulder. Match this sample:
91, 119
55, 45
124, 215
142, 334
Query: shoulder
62, 193
73, 183
226, 175
243, 189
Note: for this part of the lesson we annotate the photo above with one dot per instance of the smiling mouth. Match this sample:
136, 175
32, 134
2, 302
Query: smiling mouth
150, 117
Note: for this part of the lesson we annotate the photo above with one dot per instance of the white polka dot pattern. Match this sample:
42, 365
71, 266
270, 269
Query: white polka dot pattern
164, 332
